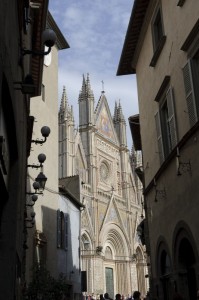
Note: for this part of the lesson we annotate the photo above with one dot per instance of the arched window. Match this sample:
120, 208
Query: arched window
108, 253
165, 274
165, 265
86, 243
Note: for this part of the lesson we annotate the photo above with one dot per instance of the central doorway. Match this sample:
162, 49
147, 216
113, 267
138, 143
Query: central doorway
109, 282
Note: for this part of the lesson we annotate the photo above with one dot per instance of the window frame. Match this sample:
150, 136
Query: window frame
166, 125
158, 39
62, 230
191, 77
190, 72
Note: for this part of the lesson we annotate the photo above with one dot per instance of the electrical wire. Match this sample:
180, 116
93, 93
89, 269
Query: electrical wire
107, 191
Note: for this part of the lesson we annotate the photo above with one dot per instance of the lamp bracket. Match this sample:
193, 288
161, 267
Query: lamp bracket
160, 194
184, 167
35, 166
30, 204
30, 226
35, 193
36, 52
39, 141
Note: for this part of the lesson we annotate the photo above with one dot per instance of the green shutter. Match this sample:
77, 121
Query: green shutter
58, 228
159, 137
189, 93
171, 118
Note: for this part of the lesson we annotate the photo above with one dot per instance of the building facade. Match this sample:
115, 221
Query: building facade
161, 48
52, 240
16, 34
112, 256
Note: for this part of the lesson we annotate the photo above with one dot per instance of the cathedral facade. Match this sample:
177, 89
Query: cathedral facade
112, 256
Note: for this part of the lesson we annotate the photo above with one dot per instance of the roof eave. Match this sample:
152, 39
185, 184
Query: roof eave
126, 66
61, 41
63, 191
134, 124
37, 61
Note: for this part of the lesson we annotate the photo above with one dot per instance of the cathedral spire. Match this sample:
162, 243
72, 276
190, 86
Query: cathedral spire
83, 92
88, 81
120, 124
72, 114
64, 100
86, 103
89, 90
83, 85
115, 113
120, 113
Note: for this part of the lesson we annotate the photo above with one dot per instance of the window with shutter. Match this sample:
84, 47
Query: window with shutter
189, 93
157, 29
158, 36
65, 231
159, 137
58, 228
62, 230
166, 124
171, 119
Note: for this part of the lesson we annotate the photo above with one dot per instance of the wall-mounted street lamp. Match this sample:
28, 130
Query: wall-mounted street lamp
34, 199
39, 184
25, 246
45, 131
49, 38
32, 217
27, 85
32, 224
36, 188
159, 194
182, 167
41, 159
31, 220
41, 179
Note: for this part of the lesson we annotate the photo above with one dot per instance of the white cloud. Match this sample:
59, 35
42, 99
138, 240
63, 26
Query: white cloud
95, 31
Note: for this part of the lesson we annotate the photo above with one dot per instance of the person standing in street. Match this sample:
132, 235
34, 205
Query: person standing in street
136, 295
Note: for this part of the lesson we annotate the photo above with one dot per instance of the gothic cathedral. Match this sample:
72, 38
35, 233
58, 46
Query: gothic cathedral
112, 255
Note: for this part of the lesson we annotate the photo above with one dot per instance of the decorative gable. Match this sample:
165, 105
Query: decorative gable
104, 122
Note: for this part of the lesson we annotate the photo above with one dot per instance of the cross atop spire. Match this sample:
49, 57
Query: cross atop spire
102, 87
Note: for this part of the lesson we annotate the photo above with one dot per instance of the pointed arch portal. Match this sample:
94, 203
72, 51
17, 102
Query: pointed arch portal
185, 261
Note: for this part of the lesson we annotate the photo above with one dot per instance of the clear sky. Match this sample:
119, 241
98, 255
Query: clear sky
95, 31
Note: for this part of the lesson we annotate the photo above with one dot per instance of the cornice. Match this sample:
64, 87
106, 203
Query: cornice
61, 41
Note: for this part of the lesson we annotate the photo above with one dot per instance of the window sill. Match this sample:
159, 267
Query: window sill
185, 139
158, 51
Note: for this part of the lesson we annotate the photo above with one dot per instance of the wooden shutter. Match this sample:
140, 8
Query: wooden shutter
159, 136
65, 231
58, 228
189, 93
171, 118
